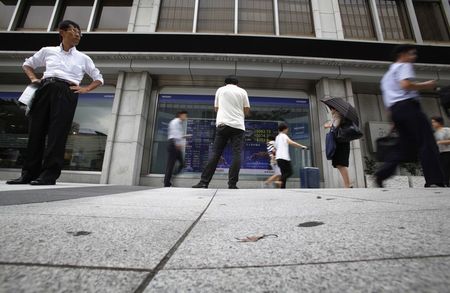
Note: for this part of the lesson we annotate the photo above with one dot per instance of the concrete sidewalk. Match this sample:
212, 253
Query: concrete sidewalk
135, 239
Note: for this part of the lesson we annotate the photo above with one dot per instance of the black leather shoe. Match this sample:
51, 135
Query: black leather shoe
20, 180
42, 182
200, 185
233, 187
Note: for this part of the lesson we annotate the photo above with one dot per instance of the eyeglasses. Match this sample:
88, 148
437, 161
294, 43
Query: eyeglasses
75, 31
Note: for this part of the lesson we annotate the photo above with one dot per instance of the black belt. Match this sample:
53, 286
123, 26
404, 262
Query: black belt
407, 101
56, 79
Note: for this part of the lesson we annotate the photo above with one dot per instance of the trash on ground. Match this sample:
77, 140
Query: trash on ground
255, 238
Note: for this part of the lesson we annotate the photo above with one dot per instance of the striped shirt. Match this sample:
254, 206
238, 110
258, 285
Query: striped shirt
271, 150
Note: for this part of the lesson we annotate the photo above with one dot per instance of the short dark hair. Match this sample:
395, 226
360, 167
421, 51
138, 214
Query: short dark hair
400, 49
438, 119
231, 80
282, 127
65, 24
179, 113
271, 137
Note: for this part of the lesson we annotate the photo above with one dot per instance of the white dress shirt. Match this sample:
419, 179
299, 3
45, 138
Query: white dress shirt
390, 84
176, 131
71, 65
231, 100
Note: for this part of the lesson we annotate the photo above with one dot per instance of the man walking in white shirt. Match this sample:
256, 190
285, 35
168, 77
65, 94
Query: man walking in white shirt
400, 96
232, 105
176, 138
54, 104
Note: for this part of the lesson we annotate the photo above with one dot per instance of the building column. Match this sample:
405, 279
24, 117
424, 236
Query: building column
414, 23
327, 19
125, 144
343, 89
144, 16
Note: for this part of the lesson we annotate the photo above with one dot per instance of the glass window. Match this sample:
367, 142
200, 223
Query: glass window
113, 15
267, 113
432, 23
216, 16
78, 11
295, 17
176, 16
87, 140
394, 19
256, 17
6, 12
357, 19
36, 15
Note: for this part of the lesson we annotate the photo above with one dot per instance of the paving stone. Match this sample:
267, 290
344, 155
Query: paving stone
48, 279
146, 204
125, 243
266, 204
414, 275
342, 237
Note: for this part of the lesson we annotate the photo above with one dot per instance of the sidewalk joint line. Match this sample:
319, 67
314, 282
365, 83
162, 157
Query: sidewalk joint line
172, 251
418, 257
68, 266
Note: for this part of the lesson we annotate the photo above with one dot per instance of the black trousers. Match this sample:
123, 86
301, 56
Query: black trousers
174, 155
51, 117
225, 134
416, 138
445, 162
286, 171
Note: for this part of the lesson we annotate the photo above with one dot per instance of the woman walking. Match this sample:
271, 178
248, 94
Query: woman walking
340, 159
442, 135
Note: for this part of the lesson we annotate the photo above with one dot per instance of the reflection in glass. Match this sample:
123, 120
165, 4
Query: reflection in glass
176, 16
357, 19
87, 140
113, 15
295, 17
432, 23
78, 11
216, 16
267, 113
6, 12
394, 19
256, 17
36, 15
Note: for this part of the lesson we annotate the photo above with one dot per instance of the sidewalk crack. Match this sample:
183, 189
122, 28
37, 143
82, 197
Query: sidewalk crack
172, 251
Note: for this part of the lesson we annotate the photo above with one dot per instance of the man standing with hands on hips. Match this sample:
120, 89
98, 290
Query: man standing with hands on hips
54, 104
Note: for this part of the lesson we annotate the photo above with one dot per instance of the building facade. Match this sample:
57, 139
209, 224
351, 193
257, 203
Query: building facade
162, 56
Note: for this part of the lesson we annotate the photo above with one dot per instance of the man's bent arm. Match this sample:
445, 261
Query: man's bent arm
82, 90
31, 74
417, 86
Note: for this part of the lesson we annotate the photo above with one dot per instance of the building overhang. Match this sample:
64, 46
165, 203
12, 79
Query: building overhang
200, 54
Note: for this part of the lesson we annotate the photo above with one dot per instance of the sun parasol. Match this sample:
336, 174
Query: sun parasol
343, 107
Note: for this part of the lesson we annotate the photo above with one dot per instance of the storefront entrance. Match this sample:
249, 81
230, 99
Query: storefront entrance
267, 111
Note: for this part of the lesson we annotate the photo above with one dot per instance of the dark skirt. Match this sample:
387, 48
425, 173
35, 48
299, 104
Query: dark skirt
341, 154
